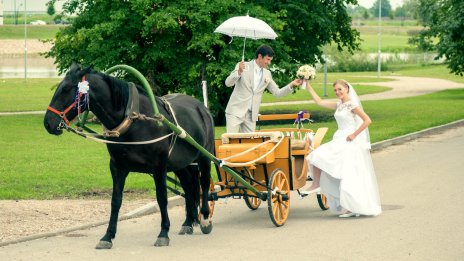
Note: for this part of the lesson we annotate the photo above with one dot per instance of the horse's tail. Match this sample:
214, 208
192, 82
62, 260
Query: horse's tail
195, 172
204, 163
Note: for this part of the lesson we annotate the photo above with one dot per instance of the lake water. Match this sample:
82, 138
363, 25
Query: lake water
37, 67
12, 66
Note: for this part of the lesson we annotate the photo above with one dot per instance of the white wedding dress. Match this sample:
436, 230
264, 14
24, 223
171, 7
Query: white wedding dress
348, 178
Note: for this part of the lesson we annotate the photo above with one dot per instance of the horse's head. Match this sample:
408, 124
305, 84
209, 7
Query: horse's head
67, 100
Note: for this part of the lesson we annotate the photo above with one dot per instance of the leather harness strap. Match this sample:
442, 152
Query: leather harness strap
132, 112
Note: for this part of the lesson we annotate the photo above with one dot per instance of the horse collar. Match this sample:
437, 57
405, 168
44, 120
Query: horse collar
132, 112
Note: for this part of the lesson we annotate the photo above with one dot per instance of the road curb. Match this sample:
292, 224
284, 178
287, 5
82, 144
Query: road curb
142, 211
179, 201
411, 136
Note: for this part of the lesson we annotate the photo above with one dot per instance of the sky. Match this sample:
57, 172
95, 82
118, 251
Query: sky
369, 3
39, 5
31, 5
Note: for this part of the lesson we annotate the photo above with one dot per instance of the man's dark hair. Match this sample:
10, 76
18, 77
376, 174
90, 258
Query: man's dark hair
264, 50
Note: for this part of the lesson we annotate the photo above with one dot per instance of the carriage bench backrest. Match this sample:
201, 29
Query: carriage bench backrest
236, 143
272, 135
299, 136
274, 117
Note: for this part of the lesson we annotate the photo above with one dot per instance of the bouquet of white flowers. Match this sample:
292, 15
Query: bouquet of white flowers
306, 73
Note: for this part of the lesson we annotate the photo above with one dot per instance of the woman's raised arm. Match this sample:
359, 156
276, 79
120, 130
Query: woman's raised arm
318, 100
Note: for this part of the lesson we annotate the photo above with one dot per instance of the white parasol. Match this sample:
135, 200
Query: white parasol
247, 27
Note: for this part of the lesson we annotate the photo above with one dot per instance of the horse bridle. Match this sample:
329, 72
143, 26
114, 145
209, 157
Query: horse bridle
62, 114
131, 114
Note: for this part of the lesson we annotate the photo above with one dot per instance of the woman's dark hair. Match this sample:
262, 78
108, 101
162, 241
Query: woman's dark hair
264, 50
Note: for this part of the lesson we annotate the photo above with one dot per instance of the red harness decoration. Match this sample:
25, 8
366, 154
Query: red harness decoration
62, 114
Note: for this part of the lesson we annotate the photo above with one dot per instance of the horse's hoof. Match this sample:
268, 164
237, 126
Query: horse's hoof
162, 241
104, 245
186, 230
206, 226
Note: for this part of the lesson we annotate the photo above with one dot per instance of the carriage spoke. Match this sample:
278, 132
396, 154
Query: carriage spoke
276, 210
281, 211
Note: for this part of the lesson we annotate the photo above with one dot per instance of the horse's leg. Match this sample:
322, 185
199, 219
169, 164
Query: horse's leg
187, 181
162, 198
206, 224
119, 179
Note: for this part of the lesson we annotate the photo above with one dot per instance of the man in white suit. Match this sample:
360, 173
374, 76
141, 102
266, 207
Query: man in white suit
250, 80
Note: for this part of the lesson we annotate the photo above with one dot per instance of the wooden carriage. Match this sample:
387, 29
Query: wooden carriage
271, 163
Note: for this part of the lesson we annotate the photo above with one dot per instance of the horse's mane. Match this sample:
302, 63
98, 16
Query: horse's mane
119, 88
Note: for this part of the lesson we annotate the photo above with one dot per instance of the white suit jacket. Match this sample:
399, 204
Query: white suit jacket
245, 96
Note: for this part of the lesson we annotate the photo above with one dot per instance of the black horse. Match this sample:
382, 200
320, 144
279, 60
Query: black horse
117, 104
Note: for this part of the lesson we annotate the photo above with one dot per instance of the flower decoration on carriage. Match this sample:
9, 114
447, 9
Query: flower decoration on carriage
306, 73
299, 125
300, 119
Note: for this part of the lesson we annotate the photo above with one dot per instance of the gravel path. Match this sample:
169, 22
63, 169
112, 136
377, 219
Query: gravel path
16, 46
22, 218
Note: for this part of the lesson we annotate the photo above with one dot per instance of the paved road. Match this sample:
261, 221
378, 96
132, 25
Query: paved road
421, 191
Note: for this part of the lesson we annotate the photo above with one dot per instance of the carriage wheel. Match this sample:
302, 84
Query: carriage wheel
252, 203
322, 200
210, 202
278, 197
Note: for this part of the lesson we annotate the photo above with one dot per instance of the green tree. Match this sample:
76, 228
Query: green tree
365, 14
357, 11
385, 8
443, 23
411, 8
50, 9
172, 41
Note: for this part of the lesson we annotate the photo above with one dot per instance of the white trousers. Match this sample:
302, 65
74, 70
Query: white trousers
235, 124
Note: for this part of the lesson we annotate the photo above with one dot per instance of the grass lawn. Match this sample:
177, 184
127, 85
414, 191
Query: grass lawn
33, 31
30, 95
392, 118
392, 38
8, 18
303, 95
433, 71
35, 94
36, 165
389, 43
374, 22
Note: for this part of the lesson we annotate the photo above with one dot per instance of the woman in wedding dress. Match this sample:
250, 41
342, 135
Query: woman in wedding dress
342, 169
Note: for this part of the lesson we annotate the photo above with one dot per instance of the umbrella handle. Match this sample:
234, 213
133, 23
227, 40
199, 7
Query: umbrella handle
243, 51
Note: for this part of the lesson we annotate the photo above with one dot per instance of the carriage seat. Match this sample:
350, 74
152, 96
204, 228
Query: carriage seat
309, 142
272, 135
297, 144
229, 148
